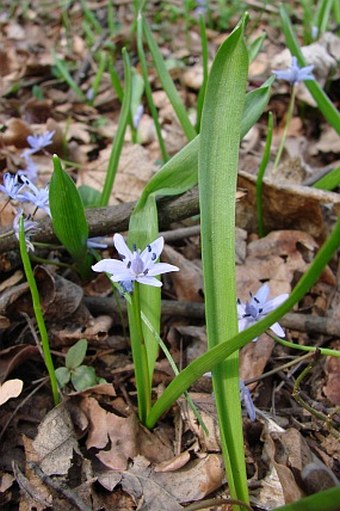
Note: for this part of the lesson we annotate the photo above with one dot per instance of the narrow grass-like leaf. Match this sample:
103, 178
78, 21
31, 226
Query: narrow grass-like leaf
148, 91
206, 362
326, 107
329, 181
38, 311
322, 14
65, 74
260, 175
98, 77
327, 500
119, 138
68, 216
217, 170
255, 47
167, 82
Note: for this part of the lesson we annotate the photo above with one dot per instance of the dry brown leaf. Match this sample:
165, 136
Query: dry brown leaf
9, 389
108, 428
55, 442
286, 206
134, 171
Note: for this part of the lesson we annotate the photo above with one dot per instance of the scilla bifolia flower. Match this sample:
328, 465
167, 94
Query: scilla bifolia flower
295, 73
257, 308
135, 266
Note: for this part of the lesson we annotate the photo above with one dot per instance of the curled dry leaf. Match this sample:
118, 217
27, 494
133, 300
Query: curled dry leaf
55, 442
285, 206
106, 428
9, 389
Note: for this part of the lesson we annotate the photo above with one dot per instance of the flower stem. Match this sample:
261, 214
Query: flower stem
284, 135
38, 311
139, 355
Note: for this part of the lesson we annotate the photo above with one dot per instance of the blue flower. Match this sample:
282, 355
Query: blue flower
31, 169
257, 308
97, 242
135, 266
247, 400
38, 142
11, 187
295, 73
37, 196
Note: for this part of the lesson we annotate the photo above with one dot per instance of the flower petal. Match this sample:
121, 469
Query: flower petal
112, 266
152, 251
122, 248
278, 330
262, 294
274, 303
150, 281
159, 268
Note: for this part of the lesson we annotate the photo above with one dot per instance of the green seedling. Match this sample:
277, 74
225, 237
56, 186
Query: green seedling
81, 376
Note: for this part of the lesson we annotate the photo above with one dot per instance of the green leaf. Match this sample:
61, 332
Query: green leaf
83, 377
63, 376
329, 181
117, 144
90, 196
217, 170
255, 46
76, 354
68, 215
167, 83
327, 500
325, 105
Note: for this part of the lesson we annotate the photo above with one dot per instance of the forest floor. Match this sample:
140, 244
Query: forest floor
91, 452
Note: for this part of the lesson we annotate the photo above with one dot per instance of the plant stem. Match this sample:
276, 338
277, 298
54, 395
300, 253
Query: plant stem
140, 358
38, 311
284, 135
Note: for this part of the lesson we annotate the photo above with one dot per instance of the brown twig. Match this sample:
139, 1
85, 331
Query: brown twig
295, 321
69, 494
102, 221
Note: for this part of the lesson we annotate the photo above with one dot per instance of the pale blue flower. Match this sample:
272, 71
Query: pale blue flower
11, 187
31, 169
247, 400
29, 228
138, 115
135, 266
295, 73
257, 308
97, 242
38, 142
37, 196
126, 285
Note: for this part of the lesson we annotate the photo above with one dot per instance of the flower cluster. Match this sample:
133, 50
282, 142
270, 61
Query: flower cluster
135, 266
21, 186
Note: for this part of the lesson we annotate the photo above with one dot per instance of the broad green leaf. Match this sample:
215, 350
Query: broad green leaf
83, 378
218, 155
63, 376
76, 354
68, 215
90, 196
